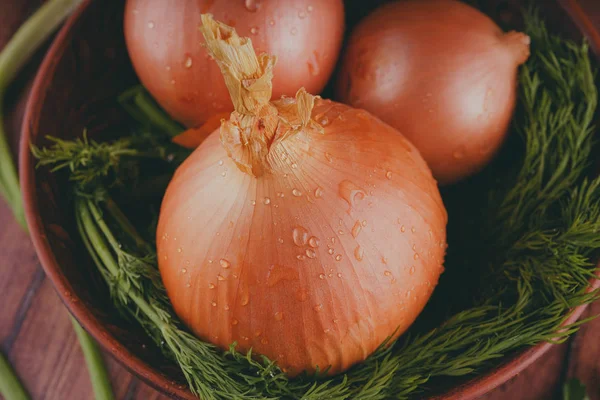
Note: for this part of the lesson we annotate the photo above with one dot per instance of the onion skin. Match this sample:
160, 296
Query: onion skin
228, 257
440, 72
164, 44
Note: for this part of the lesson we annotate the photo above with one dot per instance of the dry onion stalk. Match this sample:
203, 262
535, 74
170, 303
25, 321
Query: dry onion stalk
304, 229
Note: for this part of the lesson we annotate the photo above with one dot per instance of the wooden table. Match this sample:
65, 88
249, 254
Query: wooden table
37, 336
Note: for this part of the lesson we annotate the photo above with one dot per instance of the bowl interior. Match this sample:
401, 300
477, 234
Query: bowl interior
76, 89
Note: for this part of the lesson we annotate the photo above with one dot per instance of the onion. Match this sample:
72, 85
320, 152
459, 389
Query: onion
440, 72
304, 229
164, 44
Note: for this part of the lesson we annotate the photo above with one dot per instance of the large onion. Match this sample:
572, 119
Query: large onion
440, 72
164, 43
304, 229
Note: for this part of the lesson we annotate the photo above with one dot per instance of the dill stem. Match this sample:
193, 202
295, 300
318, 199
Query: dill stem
95, 227
10, 386
124, 223
96, 367
17, 52
142, 107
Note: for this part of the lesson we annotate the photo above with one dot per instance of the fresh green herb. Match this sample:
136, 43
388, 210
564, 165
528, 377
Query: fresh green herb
138, 103
533, 246
17, 52
573, 389
95, 364
10, 386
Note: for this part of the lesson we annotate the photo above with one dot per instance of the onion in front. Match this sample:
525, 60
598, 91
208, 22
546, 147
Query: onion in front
304, 229
442, 73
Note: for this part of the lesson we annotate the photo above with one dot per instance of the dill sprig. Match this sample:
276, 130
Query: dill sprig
537, 239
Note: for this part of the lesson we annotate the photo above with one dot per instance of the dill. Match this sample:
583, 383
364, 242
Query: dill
531, 251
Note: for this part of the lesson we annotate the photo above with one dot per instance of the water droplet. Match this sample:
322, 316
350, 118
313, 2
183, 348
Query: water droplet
384, 260
313, 64
254, 30
300, 257
318, 192
183, 271
321, 276
223, 174
294, 31
280, 241
340, 232
310, 253
339, 274
332, 240
338, 257
459, 153
387, 273
314, 242
309, 9
264, 341
272, 22
278, 316
388, 174
300, 236
213, 303
301, 14
211, 285
364, 223
179, 249
296, 192
324, 121
234, 322
226, 308
151, 24
244, 298
221, 277
302, 295
350, 192
330, 251
402, 228
224, 263
411, 270
414, 247
267, 201
252, 5
294, 165
416, 256
188, 62
253, 202
318, 307
413, 229
356, 229
359, 253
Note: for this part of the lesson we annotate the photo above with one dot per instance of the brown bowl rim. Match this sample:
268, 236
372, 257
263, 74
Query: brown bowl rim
471, 389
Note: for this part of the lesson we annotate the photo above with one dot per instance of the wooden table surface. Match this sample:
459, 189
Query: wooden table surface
37, 336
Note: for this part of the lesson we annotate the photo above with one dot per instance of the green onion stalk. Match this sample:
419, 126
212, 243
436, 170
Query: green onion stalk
24, 43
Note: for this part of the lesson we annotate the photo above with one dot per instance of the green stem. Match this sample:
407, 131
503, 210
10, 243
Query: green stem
99, 233
124, 223
95, 364
10, 386
17, 52
143, 108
